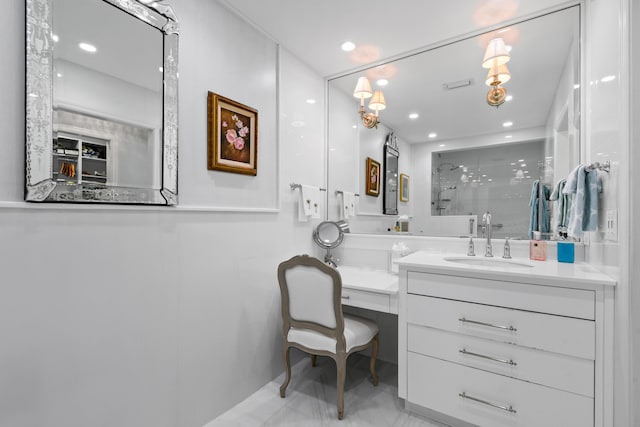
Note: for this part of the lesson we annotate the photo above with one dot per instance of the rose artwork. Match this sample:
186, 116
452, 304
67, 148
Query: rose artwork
235, 134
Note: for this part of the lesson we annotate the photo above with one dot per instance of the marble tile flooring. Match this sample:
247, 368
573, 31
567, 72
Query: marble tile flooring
311, 399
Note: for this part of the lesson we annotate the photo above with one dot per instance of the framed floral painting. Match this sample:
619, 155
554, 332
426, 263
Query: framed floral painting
404, 187
232, 136
373, 177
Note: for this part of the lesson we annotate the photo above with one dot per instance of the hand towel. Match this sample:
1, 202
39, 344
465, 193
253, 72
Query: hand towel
308, 203
583, 215
351, 205
592, 188
345, 206
538, 191
576, 184
561, 217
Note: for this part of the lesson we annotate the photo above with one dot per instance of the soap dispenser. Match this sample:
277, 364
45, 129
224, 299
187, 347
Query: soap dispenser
537, 247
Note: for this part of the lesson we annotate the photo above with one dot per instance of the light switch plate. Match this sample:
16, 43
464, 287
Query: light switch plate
611, 225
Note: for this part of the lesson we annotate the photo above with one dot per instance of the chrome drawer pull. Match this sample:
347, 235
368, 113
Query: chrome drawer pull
484, 402
495, 359
475, 322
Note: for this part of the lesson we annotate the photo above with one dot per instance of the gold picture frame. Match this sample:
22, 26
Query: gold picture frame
232, 136
372, 177
404, 187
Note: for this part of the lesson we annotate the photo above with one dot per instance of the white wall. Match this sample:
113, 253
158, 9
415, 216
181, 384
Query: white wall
606, 116
156, 317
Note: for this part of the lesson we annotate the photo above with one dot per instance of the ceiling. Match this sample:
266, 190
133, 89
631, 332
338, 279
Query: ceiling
385, 32
315, 30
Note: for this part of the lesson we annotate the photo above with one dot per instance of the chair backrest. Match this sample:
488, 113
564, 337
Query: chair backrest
311, 294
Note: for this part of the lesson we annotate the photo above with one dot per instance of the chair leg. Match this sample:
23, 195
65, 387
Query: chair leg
341, 365
287, 366
314, 358
372, 363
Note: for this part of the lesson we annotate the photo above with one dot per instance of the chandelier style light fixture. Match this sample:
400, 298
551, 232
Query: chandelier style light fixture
377, 103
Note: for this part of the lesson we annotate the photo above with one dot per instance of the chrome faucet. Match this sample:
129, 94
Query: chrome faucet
486, 219
470, 248
506, 254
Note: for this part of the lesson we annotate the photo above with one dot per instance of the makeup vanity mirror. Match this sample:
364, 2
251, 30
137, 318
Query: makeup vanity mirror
328, 235
538, 126
101, 102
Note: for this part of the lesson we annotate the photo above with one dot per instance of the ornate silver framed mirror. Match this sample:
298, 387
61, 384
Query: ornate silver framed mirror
101, 102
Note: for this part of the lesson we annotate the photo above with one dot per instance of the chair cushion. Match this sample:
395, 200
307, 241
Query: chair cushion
357, 331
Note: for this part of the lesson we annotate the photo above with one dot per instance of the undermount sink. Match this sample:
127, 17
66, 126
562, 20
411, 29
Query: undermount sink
488, 262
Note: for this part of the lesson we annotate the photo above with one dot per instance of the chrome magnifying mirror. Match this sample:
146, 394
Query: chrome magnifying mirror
328, 235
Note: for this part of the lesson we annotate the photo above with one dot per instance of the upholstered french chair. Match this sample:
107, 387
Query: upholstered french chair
312, 319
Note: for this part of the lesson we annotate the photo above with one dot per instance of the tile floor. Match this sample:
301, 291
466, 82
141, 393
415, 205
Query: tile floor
311, 399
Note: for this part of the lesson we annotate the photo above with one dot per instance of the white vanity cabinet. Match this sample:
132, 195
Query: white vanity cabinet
505, 349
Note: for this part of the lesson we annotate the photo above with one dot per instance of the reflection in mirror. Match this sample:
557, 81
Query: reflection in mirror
101, 102
490, 179
390, 175
436, 104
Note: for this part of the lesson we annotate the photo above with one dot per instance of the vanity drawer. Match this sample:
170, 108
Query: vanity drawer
565, 335
438, 385
541, 367
370, 300
568, 302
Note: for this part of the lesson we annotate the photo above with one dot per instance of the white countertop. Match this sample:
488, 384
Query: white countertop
368, 279
548, 272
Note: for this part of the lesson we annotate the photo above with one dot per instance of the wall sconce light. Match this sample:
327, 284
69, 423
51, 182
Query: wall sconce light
498, 75
495, 59
496, 53
377, 103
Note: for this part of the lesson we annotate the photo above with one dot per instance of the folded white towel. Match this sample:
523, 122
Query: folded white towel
348, 205
308, 203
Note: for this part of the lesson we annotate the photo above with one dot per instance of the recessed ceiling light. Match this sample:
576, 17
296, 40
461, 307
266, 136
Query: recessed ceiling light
433, 135
442, 145
490, 180
55, 38
607, 79
414, 115
160, 69
382, 82
348, 46
523, 165
521, 160
87, 47
513, 164
311, 101
355, 126
508, 136
508, 98
528, 176
59, 74
507, 124
508, 47
526, 171
576, 86
484, 175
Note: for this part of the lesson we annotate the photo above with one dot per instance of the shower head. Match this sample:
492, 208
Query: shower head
453, 167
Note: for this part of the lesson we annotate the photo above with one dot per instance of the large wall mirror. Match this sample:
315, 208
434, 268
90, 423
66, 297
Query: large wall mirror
101, 102
465, 157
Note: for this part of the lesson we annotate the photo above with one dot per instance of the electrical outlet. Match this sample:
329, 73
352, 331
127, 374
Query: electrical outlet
611, 226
